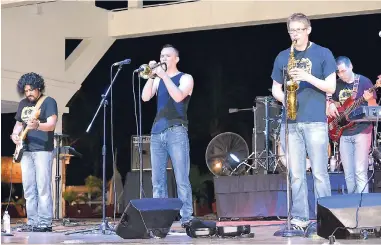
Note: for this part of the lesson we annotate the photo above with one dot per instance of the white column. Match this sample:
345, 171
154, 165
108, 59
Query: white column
134, 4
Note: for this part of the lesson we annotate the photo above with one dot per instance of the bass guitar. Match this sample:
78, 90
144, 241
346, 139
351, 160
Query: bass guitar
20, 146
336, 125
35, 115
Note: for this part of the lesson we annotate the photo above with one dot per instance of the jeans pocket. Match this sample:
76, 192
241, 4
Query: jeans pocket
178, 129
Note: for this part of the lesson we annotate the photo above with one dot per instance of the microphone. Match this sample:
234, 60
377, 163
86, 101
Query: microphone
123, 62
233, 110
141, 68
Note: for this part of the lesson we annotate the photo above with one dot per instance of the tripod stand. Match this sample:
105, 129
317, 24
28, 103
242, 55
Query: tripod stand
104, 225
270, 157
273, 157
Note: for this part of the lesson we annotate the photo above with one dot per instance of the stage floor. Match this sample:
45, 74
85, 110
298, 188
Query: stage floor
263, 230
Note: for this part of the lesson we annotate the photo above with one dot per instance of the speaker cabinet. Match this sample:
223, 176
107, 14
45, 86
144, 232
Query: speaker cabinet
338, 213
146, 154
148, 217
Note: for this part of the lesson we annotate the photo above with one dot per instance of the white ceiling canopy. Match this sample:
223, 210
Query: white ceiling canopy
8, 106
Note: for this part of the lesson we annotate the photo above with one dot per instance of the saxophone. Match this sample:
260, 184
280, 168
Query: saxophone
291, 86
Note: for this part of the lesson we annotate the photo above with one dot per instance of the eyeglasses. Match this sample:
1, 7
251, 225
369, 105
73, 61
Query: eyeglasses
299, 30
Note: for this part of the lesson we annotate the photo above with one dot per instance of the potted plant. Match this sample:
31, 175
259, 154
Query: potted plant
199, 190
94, 186
70, 197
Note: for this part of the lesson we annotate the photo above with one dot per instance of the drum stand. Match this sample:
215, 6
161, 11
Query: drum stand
253, 156
336, 153
270, 157
277, 157
244, 162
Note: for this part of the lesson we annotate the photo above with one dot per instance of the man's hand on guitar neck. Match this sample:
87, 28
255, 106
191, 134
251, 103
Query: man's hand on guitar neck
367, 95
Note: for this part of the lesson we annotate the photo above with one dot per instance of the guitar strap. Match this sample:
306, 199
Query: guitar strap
39, 102
355, 86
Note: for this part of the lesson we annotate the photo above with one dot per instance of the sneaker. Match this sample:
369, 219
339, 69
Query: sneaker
24, 228
297, 227
194, 222
42, 229
300, 224
186, 224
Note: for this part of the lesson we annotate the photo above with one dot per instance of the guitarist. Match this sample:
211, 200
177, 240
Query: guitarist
36, 161
355, 141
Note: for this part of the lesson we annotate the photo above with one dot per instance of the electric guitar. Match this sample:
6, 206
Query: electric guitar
20, 147
336, 125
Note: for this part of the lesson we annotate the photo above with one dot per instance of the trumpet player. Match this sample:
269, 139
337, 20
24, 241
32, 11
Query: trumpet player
169, 133
314, 70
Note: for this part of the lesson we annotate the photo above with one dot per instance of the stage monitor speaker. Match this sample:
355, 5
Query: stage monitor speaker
148, 217
146, 153
338, 213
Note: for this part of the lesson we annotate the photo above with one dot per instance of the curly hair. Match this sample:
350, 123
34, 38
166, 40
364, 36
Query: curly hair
32, 79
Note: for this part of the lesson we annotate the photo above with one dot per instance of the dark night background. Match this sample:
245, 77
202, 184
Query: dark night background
230, 68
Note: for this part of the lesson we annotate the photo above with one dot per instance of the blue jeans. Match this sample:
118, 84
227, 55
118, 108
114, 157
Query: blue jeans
36, 169
354, 154
175, 143
312, 139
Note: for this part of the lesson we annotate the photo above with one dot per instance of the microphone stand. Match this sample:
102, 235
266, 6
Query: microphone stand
287, 231
140, 144
267, 131
57, 177
104, 225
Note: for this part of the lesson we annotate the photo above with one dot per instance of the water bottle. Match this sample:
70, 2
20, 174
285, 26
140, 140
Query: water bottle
332, 164
7, 222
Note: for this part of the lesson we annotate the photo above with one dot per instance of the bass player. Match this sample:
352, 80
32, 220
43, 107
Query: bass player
355, 142
37, 156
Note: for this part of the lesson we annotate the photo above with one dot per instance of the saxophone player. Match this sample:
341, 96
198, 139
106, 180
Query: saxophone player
314, 71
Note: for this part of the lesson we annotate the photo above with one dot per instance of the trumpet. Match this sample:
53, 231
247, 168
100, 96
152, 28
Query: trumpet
145, 71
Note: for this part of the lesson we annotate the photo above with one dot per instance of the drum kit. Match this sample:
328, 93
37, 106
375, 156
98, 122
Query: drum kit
228, 153
267, 153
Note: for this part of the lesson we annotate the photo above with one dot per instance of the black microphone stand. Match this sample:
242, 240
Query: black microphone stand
57, 178
287, 231
104, 225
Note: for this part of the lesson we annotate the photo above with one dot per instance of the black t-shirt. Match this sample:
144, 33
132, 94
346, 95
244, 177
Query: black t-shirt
344, 91
37, 140
319, 62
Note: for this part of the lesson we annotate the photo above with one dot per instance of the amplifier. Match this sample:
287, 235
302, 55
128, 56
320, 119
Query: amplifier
146, 154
